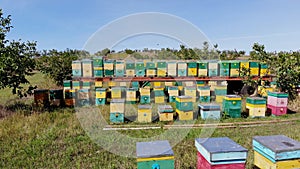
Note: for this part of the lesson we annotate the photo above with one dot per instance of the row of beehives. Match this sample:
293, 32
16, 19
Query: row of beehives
97, 67
275, 151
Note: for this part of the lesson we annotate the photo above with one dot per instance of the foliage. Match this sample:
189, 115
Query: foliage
16, 60
231, 54
285, 65
58, 64
103, 52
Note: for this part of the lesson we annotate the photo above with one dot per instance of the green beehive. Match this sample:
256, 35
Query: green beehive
140, 69
224, 68
145, 95
67, 84
204, 93
232, 105
100, 96
192, 69
234, 68
181, 69
173, 93
76, 84
98, 61
109, 68
150, 65
254, 68
135, 85
130, 68
159, 95
150, 69
161, 68
202, 69
119, 68
86, 84
184, 103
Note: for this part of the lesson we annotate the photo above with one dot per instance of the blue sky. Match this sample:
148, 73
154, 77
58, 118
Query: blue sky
232, 24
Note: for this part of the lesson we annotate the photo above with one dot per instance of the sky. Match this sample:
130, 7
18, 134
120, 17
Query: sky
232, 24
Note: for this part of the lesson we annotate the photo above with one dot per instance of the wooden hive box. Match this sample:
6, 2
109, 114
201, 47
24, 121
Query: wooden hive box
109, 68
144, 113
173, 92
161, 68
185, 115
165, 112
184, 103
212, 68
117, 110
130, 96
277, 151
140, 69
191, 91
181, 69
41, 97
100, 96
83, 98
209, 111
70, 97
87, 68
234, 69
154, 155
264, 71
220, 153
192, 69
172, 69
257, 106
254, 68
116, 93
277, 102
76, 68
130, 68
120, 68
204, 93
232, 105
224, 68
159, 95
145, 95
98, 61
202, 69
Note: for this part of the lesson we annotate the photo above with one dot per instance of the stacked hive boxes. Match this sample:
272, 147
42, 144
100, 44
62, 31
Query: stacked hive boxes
173, 93
209, 111
234, 68
220, 153
130, 69
191, 91
202, 69
70, 97
144, 114
224, 68
76, 84
181, 69
165, 112
150, 69
277, 102
98, 66
86, 84
184, 107
159, 95
87, 68
145, 96
76, 68
204, 93
192, 68
100, 96
67, 84
254, 68
220, 92
257, 106
172, 69
154, 155
140, 70
56, 97
161, 69
116, 93
130, 96
212, 68
109, 68
117, 110
277, 151
83, 98
232, 105
120, 68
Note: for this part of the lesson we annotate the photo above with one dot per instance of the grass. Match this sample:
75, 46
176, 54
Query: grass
57, 140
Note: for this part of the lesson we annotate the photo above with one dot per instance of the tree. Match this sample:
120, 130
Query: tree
16, 59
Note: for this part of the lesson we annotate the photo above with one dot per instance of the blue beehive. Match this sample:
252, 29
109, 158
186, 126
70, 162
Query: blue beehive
209, 111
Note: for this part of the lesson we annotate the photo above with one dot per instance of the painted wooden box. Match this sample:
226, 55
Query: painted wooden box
70, 97
277, 99
213, 68
145, 95
257, 106
172, 69
185, 115
98, 71
181, 69
159, 95
184, 103
202, 69
191, 91
277, 111
224, 68
120, 68
254, 68
276, 151
130, 96
109, 68
67, 84
130, 68
161, 68
165, 112
76, 68
154, 155
41, 97
98, 61
140, 70
264, 71
117, 110
173, 93
116, 93
100, 96
209, 111
221, 90
83, 97
204, 94
98, 84
234, 69
200, 83
144, 113
232, 106
86, 84
192, 69
87, 68
220, 153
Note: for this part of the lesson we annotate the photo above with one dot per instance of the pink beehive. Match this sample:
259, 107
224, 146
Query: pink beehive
277, 103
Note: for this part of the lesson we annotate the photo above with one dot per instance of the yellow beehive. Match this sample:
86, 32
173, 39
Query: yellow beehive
262, 162
157, 84
257, 111
184, 115
204, 92
130, 95
150, 72
244, 64
254, 71
116, 93
219, 99
144, 91
159, 99
113, 84
166, 116
101, 95
161, 72
192, 71
98, 84
130, 73
173, 92
144, 113
169, 83
117, 106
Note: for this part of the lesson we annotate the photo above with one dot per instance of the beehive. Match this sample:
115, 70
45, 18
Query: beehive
41, 97
181, 69
76, 68
109, 68
144, 113
154, 155
76, 84
157, 84
83, 98
244, 64
168, 84
209, 111
276, 151
224, 68
145, 95
204, 93
113, 83
161, 68
192, 68
86, 84
120, 68
234, 69
130, 69
98, 84
200, 83
191, 91
98, 66
189, 83
180, 85
257, 106
130, 96
172, 69
116, 92
140, 69
87, 68
264, 71
67, 84
165, 112
212, 68
220, 92
173, 93
232, 105
254, 68
202, 69
220, 153
150, 69
263, 90
135, 85
159, 95
277, 102
184, 107
70, 97
98, 71
117, 111
100, 96
56, 97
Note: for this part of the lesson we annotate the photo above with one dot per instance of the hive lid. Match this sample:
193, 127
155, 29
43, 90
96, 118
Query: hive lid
209, 106
278, 143
165, 108
153, 149
220, 145
278, 94
184, 97
117, 101
233, 96
144, 106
